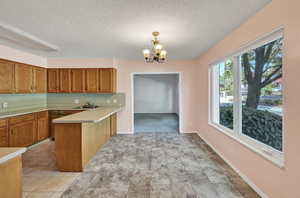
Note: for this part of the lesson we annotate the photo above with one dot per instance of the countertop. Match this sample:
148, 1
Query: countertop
91, 116
34, 110
7, 153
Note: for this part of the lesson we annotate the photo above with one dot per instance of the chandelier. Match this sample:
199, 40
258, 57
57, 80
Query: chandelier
157, 54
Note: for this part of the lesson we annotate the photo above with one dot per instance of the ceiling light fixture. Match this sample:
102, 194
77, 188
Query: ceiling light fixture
158, 54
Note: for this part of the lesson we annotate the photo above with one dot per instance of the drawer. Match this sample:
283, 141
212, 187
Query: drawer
3, 123
22, 118
43, 114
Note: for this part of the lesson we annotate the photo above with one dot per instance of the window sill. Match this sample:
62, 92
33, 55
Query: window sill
279, 162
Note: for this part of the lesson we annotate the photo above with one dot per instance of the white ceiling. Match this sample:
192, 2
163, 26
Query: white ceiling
122, 28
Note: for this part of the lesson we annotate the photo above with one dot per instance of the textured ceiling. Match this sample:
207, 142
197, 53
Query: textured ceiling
122, 28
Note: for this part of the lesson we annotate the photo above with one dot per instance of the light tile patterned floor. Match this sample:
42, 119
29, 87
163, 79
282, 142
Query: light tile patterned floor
158, 165
41, 179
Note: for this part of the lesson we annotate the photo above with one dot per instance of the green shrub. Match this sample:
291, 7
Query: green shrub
260, 125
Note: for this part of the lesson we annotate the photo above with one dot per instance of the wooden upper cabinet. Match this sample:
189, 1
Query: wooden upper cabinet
39, 80
107, 81
7, 77
53, 80
91, 80
81, 80
23, 78
65, 80
77, 80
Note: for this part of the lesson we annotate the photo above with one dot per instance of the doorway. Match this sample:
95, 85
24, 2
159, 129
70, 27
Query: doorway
156, 102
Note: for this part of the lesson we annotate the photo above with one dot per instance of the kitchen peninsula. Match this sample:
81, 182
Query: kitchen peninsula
79, 136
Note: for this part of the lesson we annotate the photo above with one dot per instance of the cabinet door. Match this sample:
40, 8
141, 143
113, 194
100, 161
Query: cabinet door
107, 80
22, 134
92, 80
7, 77
113, 125
77, 79
53, 80
42, 126
3, 133
64, 80
23, 78
39, 80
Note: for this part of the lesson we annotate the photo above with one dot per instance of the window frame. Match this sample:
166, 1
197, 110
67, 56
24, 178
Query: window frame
268, 152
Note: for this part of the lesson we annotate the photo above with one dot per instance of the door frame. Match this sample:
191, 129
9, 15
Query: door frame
156, 73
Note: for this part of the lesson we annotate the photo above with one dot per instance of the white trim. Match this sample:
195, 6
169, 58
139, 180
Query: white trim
258, 150
125, 133
179, 95
268, 152
243, 176
39, 143
188, 132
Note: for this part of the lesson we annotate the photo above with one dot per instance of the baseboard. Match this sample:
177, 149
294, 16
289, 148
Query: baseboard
41, 142
182, 132
124, 133
244, 177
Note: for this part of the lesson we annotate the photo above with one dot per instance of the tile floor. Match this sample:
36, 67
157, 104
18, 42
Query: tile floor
156, 122
158, 165
41, 179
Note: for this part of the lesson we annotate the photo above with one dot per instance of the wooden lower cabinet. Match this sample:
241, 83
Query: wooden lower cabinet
26, 130
11, 178
22, 134
42, 125
113, 125
3, 133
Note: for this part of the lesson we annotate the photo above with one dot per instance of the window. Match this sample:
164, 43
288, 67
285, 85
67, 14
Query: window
246, 95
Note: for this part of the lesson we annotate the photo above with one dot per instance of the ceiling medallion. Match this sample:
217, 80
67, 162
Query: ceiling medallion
157, 54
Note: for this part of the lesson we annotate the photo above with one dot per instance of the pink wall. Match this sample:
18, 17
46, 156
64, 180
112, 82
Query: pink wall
188, 90
23, 57
80, 62
124, 71
275, 182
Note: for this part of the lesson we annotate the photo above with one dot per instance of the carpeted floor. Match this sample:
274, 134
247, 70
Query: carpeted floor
156, 122
158, 165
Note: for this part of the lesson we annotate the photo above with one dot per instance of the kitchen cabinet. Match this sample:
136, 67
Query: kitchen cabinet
3, 133
91, 80
77, 80
23, 78
22, 130
107, 80
53, 80
42, 125
64, 80
57, 114
7, 76
39, 80
113, 125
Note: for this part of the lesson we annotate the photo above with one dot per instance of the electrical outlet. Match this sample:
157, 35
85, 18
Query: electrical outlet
4, 105
115, 101
76, 101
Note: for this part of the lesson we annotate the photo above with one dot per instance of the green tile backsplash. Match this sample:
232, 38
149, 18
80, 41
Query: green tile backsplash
18, 102
54, 100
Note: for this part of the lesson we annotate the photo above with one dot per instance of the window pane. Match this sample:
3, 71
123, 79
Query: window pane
261, 94
226, 94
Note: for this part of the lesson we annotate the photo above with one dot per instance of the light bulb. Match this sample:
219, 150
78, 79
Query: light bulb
163, 54
158, 48
146, 53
